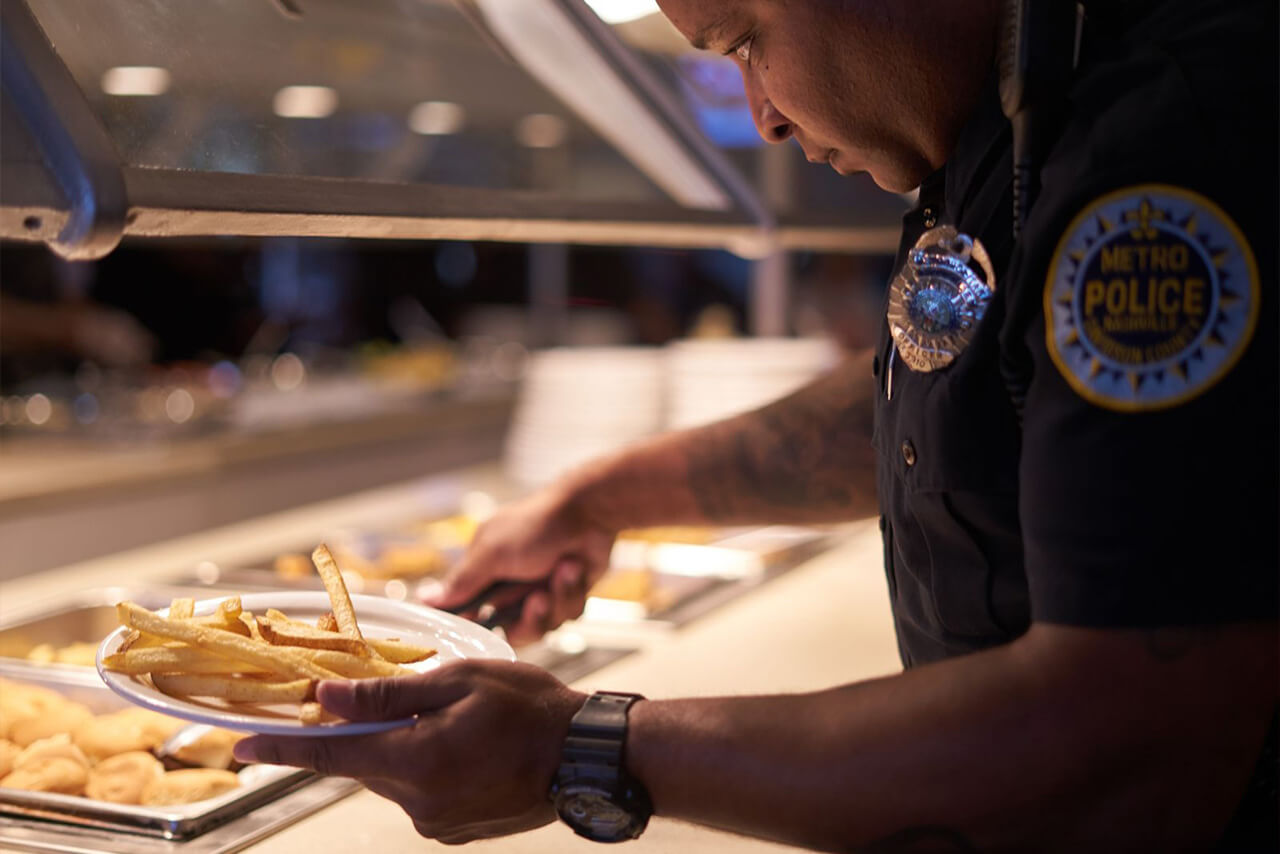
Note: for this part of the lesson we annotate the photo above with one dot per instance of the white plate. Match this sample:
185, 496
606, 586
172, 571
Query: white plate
453, 638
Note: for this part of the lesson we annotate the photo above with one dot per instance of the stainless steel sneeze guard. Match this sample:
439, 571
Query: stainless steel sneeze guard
569, 60
81, 172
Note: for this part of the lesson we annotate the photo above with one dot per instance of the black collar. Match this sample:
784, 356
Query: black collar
982, 143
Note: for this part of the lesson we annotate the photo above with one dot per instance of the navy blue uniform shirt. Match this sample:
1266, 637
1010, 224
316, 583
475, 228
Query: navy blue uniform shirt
1104, 451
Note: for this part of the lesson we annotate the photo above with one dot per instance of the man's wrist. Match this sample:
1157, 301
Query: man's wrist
592, 791
553, 748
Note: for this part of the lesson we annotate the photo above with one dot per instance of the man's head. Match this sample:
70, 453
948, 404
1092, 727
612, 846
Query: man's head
878, 86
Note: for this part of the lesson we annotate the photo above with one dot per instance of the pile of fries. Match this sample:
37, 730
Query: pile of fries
240, 657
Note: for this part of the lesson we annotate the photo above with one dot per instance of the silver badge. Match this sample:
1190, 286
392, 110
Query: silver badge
938, 298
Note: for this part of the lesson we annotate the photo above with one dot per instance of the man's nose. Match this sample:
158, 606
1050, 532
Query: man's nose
772, 124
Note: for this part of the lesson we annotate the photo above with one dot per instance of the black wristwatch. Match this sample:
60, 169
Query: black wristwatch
592, 791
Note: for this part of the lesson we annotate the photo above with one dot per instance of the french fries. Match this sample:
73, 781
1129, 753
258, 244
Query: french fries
392, 649
235, 689
354, 667
276, 659
217, 620
399, 652
178, 659
285, 633
235, 656
343, 611
310, 714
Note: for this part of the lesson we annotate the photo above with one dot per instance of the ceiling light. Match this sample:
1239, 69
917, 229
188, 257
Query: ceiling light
135, 80
541, 130
436, 118
621, 11
305, 102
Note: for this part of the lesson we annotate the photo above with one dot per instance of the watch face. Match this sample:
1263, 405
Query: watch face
593, 814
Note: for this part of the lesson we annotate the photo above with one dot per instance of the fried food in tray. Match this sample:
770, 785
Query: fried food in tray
419, 550
187, 785
79, 653
203, 747
123, 778
693, 535
372, 557
110, 757
240, 658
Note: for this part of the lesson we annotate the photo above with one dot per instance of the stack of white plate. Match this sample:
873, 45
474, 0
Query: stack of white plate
578, 403
710, 380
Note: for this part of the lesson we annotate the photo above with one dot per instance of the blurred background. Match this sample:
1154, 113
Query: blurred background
197, 375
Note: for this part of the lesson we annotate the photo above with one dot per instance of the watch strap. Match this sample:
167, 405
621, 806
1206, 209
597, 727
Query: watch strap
596, 740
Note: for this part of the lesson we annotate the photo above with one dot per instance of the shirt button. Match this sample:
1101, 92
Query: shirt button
908, 453
929, 219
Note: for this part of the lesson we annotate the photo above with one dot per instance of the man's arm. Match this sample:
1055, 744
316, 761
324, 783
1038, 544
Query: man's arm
804, 458
1068, 739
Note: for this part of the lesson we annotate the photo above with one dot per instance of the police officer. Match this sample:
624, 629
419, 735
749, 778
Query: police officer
1070, 438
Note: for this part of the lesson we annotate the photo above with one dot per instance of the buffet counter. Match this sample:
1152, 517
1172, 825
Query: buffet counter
118, 496
825, 622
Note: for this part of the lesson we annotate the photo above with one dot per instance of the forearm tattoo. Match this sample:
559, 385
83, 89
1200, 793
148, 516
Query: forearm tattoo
803, 458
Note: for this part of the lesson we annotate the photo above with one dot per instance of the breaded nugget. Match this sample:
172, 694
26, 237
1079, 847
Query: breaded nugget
64, 718
107, 735
19, 700
187, 786
157, 726
57, 746
122, 779
78, 653
211, 750
8, 752
64, 776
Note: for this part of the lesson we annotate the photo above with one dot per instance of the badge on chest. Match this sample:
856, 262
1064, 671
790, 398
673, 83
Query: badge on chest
938, 297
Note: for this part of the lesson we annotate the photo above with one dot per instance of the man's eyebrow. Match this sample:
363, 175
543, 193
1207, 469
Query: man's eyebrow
704, 37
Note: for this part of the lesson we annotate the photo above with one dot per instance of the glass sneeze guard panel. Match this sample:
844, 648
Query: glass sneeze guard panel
382, 90
480, 119
477, 119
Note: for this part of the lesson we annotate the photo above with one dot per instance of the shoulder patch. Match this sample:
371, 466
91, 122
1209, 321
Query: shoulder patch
1151, 298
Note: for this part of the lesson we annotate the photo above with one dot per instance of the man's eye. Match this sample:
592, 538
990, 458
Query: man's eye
743, 50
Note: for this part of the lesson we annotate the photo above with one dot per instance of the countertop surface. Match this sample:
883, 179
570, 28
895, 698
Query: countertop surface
42, 470
825, 623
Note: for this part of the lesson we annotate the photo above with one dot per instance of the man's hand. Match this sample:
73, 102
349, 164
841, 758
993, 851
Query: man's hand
802, 459
543, 537
478, 762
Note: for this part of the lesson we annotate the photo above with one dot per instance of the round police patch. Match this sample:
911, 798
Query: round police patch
1152, 297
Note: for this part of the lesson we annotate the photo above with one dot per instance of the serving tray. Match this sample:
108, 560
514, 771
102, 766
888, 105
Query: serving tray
259, 784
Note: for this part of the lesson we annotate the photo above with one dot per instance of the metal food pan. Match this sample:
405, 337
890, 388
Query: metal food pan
259, 783
83, 616
351, 548
725, 553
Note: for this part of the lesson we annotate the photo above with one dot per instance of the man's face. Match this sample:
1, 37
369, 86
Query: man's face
864, 85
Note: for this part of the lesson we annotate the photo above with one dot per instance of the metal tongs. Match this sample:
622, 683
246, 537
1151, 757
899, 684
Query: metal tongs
501, 603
